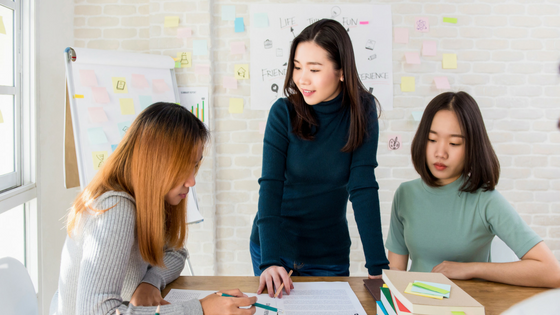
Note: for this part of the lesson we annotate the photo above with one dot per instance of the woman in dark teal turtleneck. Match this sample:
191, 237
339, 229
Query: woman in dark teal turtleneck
320, 149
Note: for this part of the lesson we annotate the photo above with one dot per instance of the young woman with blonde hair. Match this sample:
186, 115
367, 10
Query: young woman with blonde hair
127, 229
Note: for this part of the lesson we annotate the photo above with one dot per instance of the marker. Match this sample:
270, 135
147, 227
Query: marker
157, 311
266, 307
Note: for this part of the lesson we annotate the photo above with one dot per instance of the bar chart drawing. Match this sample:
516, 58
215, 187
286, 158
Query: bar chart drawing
195, 99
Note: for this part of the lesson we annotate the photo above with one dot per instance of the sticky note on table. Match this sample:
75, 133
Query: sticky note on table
450, 20
185, 58
100, 95
241, 72
160, 86
1, 118
417, 116
412, 58
408, 84
262, 127
99, 157
442, 83
200, 48
228, 12
123, 127
202, 69
260, 20
236, 105
139, 81
87, 78
449, 61
401, 35
457, 313
184, 32
97, 114
119, 85
96, 136
237, 47
127, 106
171, 21
431, 288
230, 83
422, 24
239, 25
429, 48
145, 101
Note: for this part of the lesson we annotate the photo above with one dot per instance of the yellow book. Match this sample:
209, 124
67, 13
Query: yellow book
409, 291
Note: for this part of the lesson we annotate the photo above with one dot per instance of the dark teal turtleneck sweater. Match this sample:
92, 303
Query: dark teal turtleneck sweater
305, 186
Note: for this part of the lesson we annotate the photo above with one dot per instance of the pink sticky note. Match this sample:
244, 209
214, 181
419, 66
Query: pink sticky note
184, 32
442, 83
237, 48
394, 142
262, 127
422, 24
429, 48
97, 114
202, 69
364, 22
87, 78
139, 81
230, 83
160, 86
401, 35
412, 58
100, 95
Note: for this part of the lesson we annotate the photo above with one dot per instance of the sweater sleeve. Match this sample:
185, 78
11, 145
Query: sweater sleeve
174, 261
275, 149
107, 241
364, 195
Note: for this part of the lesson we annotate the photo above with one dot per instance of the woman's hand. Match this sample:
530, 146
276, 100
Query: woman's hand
375, 277
147, 295
273, 277
454, 270
215, 304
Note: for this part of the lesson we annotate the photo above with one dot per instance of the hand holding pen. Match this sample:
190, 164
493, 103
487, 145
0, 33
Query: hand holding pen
229, 304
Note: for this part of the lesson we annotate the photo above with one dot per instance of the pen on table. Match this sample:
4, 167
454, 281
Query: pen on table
157, 310
266, 307
282, 285
118, 313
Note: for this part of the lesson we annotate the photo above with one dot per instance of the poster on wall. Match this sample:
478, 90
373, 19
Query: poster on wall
274, 26
195, 99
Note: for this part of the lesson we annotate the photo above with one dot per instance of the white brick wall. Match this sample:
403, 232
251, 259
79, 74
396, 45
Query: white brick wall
507, 53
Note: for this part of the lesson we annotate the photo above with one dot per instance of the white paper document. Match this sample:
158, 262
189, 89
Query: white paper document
309, 298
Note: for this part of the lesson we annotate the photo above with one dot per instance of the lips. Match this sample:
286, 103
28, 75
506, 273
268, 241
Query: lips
183, 196
307, 92
440, 166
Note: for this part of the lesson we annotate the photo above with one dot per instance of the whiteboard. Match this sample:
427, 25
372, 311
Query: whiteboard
99, 120
274, 26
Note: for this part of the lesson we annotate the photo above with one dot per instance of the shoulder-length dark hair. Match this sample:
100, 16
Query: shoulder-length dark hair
332, 37
482, 168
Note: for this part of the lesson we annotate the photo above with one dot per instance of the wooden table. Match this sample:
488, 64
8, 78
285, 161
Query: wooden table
495, 297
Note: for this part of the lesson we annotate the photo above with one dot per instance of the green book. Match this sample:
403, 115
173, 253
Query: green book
387, 293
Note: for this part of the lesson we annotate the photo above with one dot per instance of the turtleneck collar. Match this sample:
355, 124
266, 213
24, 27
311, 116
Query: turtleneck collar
447, 189
329, 107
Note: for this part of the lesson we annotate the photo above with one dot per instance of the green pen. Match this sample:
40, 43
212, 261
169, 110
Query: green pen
266, 307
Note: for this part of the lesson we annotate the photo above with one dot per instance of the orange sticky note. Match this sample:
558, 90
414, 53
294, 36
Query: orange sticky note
236, 105
408, 84
449, 61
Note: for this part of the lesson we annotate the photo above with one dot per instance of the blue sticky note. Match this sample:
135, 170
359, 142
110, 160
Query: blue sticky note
96, 135
417, 115
145, 101
114, 147
446, 287
228, 12
200, 48
260, 20
239, 26
123, 126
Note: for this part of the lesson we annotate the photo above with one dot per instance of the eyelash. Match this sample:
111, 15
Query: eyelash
297, 68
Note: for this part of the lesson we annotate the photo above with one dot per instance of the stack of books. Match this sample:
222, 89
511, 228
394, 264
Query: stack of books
422, 293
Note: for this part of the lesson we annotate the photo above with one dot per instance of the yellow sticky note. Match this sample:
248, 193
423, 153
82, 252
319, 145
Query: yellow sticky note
78, 96
1, 118
99, 158
457, 313
127, 106
408, 84
449, 61
2, 28
171, 21
185, 58
236, 105
242, 72
119, 85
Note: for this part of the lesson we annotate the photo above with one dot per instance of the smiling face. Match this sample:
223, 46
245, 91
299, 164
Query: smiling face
445, 150
315, 74
178, 193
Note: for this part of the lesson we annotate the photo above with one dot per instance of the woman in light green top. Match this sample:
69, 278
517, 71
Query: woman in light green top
446, 220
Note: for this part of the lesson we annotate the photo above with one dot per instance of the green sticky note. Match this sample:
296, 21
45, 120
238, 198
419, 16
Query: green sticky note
457, 313
260, 20
429, 287
450, 20
96, 136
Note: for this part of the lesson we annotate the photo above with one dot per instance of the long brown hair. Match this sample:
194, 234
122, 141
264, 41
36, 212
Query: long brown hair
155, 155
482, 168
333, 38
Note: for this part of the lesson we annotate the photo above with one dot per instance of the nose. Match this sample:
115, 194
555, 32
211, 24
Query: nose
303, 78
191, 181
441, 151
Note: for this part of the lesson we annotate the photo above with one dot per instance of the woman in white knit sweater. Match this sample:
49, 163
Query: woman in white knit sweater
126, 230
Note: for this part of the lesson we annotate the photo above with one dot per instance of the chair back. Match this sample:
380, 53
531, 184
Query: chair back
500, 252
17, 294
